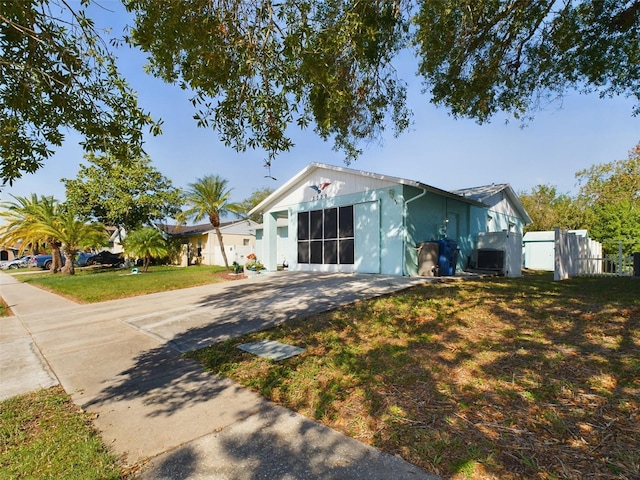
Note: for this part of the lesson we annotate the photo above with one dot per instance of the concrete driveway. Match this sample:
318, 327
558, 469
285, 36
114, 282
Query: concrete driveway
222, 311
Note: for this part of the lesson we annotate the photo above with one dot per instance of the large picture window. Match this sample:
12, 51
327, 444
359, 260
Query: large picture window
325, 237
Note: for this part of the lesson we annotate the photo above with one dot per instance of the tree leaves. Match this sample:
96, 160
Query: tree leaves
127, 194
258, 67
612, 193
31, 221
607, 204
482, 56
548, 209
56, 73
208, 197
146, 243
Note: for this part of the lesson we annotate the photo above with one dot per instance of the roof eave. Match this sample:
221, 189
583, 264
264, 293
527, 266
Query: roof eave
263, 206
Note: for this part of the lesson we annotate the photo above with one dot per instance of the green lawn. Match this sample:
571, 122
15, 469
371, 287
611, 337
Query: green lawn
483, 379
43, 435
4, 309
97, 285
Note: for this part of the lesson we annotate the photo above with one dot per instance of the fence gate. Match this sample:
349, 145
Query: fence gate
613, 265
575, 256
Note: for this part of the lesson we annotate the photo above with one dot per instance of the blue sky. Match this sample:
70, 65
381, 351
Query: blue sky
438, 150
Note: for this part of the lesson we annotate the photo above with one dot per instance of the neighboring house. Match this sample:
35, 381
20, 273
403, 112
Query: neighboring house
8, 253
12, 252
539, 249
201, 246
336, 219
116, 237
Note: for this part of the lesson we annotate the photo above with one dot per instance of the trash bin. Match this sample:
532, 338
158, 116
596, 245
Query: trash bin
448, 257
428, 259
636, 264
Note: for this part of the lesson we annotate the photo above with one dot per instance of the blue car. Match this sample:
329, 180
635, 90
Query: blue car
44, 260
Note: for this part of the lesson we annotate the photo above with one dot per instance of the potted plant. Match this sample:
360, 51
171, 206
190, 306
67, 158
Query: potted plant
253, 265
237, 268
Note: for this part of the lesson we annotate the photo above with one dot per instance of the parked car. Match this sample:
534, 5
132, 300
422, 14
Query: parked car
20, 262
82, 258
44, 260
41, 261
105, 257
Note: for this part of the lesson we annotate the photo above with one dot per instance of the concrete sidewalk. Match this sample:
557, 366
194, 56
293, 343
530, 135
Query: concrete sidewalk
121, 360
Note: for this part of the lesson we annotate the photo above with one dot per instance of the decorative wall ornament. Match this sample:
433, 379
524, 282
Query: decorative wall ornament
320, 188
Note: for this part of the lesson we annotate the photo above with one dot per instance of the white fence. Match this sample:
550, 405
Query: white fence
235, 253
576, 255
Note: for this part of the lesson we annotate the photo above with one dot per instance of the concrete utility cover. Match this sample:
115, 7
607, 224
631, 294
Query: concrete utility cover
271, 349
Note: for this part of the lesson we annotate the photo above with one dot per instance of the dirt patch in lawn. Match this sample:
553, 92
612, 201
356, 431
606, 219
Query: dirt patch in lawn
229, 276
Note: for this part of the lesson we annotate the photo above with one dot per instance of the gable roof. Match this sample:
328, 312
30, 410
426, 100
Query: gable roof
184, 230
312, 167
484, 193
232, 227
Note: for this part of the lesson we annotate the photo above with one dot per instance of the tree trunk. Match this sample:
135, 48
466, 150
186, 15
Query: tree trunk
145, 264
214, 218
224, 254
69, 267
56, 257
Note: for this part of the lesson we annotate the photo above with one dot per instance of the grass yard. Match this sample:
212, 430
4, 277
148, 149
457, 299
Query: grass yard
5, 311
494, 378
43, 435
97, 285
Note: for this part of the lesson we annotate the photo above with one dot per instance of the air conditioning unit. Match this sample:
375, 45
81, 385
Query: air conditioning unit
490, 259
499, 252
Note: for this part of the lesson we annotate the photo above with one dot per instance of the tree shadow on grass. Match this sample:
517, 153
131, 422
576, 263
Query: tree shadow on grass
541, 379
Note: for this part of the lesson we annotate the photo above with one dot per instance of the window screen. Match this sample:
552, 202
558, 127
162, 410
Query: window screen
316, 225
326, 236
346, 222
303, 252
316, 252
303, 226
331, 223
331, 252
346, 251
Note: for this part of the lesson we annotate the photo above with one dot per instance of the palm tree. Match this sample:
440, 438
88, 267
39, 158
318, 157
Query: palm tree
73, 234
32, 220
209, 197
147, 243
26, 219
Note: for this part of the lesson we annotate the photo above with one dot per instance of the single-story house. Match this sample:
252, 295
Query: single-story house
201, 245
12, 252
336, 219
8, 253
539, 249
